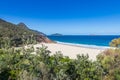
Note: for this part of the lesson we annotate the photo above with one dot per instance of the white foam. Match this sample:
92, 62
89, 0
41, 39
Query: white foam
85, 45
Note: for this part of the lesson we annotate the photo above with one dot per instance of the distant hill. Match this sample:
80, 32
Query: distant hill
56, 34
15, 35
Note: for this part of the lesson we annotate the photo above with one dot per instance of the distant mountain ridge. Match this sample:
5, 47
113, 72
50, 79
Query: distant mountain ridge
20, 34
23, 26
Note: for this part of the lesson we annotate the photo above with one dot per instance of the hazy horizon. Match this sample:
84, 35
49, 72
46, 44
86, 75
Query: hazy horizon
68, 17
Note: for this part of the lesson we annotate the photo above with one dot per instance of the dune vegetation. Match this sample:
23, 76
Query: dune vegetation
115, 43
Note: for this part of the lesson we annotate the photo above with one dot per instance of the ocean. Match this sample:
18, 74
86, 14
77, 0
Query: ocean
85, 40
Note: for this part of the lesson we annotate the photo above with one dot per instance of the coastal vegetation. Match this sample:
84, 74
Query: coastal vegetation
110, 63
31, 64
22, 64
115, 42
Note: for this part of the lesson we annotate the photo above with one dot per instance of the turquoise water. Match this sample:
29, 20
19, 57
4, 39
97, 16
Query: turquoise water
100, 40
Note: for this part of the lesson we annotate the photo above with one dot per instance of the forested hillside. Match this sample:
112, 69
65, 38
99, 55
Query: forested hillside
20, 34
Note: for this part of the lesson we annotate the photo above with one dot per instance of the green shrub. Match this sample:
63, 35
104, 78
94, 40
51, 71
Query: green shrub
115, 43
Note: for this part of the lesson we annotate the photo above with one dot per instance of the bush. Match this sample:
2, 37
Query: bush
110, 62
115, 43
20, 64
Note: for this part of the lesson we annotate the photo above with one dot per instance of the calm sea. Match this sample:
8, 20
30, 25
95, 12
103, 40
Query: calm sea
97, 40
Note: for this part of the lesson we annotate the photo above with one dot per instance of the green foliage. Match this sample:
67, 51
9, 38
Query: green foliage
110, 62
12, 35
115, 43
117, 73
20, 64
86, 69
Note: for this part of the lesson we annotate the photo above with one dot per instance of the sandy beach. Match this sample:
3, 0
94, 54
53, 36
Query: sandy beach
71, 51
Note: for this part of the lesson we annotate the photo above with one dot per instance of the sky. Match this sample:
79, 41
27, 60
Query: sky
68, 17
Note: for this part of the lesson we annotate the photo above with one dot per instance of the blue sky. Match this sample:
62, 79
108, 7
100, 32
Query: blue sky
65, 16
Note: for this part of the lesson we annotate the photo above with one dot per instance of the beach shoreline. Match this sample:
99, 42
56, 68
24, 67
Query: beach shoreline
85, 45
71, 50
